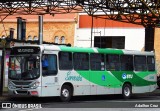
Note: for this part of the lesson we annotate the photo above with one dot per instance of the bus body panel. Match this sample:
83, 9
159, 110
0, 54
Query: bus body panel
80, 84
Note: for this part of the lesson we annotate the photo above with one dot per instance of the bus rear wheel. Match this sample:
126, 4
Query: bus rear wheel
66, 93
126, 91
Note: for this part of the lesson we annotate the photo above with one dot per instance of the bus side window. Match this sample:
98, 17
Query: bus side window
140, 63
151, 63
126, 62
44, 62
49, 64
65, 61
112, 62
81, 61
97, 62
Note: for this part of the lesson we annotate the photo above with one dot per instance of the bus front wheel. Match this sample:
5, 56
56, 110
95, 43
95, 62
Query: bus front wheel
66, 93
126, 91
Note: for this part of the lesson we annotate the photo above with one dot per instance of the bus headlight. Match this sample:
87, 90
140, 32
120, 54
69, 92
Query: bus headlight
35, 85
11, 86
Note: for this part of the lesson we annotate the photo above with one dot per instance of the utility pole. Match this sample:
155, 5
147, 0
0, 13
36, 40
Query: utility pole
3, 43
40, 29
92, 31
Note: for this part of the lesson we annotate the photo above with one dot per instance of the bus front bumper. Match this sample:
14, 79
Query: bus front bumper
24, 92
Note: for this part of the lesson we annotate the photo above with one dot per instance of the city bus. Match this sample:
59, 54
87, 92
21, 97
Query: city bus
52, 70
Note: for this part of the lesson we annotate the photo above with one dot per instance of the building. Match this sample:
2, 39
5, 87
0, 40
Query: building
109, 34
157, 47
59, 28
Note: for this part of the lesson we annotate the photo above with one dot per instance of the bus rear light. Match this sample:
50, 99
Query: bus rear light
34, 93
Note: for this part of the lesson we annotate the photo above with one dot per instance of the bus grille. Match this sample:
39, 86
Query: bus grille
21, 83
22, 92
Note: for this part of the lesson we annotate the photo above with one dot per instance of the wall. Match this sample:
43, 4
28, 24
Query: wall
134, 37
53, 25
50, 30
157, 47
134, 34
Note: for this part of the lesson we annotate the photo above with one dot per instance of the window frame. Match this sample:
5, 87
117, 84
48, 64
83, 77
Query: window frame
127, 62
141, 63
71, 61
29, 38
101, 62
119, 69
148, 64
87, 61
44, 75
56, 39
63, 40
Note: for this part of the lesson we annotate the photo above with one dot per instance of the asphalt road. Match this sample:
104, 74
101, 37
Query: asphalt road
140, 102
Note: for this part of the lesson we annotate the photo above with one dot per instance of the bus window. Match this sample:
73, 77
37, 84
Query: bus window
65, 61
44, 62
126, 62
140, 63
112, 62
151, 63
49, 64
81, 61
97, 62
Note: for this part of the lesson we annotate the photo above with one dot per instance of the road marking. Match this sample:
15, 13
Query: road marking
26, 110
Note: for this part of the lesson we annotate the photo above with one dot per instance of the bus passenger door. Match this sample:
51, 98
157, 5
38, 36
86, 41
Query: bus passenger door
49, 75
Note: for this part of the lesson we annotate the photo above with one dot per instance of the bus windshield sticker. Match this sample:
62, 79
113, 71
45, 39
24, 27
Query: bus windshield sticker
103, 77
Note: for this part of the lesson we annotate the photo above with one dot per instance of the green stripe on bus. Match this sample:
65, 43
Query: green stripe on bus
135, 80
110, 51
114, 79
91, 50
76, 49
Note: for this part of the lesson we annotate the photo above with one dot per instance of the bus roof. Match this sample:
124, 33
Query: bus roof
90, 50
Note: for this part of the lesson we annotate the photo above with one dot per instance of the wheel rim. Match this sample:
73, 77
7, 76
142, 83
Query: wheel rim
126, 91
65, 93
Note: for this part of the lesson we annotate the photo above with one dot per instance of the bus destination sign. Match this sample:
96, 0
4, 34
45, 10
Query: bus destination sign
25, 50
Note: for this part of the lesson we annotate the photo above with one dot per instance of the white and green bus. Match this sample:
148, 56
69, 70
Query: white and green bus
51, 70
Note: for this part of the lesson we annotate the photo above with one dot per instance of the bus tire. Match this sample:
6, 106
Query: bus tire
66, 93
158, 82
127, 91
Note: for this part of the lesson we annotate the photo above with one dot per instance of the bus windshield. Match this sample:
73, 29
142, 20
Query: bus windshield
24, 67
